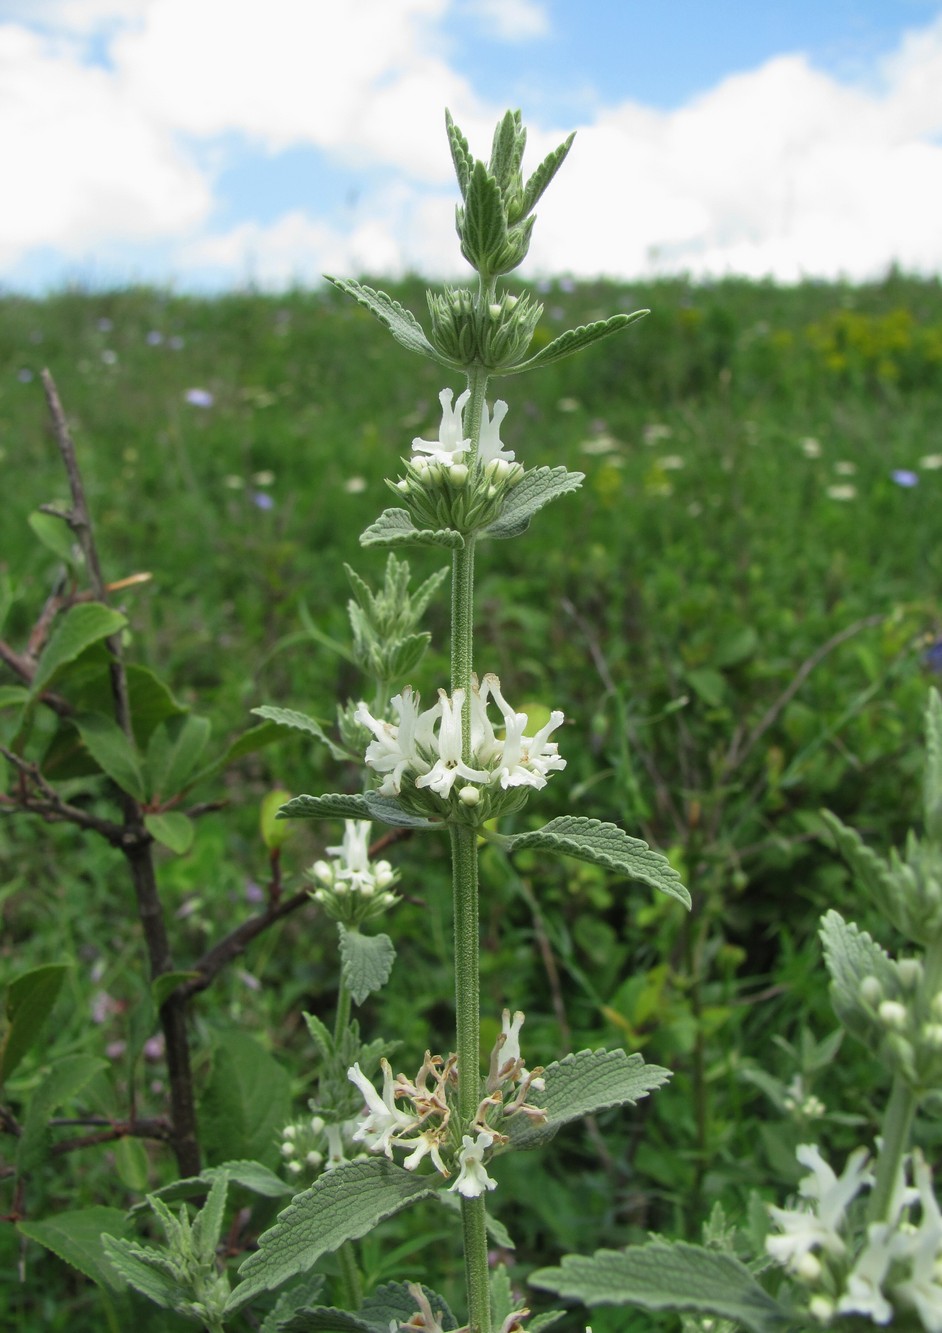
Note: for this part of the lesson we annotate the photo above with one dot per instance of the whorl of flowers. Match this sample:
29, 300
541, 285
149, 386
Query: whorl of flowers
416, 1115
420, 754
350, 887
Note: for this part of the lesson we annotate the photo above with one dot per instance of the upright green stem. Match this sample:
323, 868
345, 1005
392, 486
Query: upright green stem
464, 859
897, 1127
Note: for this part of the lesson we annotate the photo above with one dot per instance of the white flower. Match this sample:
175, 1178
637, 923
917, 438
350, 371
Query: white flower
473, 1179
924, 1288
490, 447
805, 1230
451, 446
383, 1120
395, 748
428, 746
449, 765
525, 760
426, 1145
863, 1293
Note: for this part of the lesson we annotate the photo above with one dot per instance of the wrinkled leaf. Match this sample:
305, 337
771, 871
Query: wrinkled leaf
575, 340
582, 1084
539, 486
290, 717
661, 1276
340, 805
400, 322
605, 845
394, 527
341, 1205
367, 962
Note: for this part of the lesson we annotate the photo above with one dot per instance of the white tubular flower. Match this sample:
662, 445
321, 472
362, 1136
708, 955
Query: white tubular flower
473, 1179
396, 747
450, 447
383, 1120
805, 1230
490, 447
426, 1145
449, 765
353, 857
525, 760
923, 1290
863, 1294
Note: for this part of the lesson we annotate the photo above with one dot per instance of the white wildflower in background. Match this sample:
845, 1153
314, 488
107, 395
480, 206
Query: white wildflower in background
845, 468
931, 462
841, 492
655, 431
810, 447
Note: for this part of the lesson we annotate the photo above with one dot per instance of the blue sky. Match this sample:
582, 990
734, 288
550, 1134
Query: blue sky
206, 143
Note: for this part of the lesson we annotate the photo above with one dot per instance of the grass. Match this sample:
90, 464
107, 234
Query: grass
733, 614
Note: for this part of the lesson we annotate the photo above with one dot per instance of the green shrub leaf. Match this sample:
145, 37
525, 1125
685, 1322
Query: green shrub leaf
173, 752
341, 1205
246, 1101
111, 750
65, 1080
28, 1003
173, 830
78, 629
76, 1237
605, 845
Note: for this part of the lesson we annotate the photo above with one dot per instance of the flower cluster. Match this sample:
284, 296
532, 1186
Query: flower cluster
313, 1145
449, 485
416, 1114
897, 1267
351, 888
420, 755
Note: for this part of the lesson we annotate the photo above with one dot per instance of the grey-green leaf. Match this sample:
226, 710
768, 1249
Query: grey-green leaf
582, 1084
574, 340
851, 955
367, 961
78, 629
341, 805
460, 154
661, 1276
539, 486
544, 173
141, 1266
344, 1204
394, 527
389, 1306
290, 717
400, 322
605, 845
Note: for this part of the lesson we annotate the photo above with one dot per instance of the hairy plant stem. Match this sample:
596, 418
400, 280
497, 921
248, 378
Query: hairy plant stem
464, 860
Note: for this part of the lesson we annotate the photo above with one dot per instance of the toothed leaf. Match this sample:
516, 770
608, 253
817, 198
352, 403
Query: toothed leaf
538, 487
394, 527
574, 340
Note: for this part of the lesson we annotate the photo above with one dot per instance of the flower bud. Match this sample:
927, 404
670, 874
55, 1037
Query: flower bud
871, 992
892, 1014
910, 973
469, 795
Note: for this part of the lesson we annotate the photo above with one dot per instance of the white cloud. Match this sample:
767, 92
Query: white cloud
512, 20
117, 114
81, 164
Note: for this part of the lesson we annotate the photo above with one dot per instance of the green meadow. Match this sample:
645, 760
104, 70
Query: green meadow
740, 619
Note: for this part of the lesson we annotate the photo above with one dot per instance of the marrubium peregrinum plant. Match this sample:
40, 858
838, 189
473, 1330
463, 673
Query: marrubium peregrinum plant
449, 764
